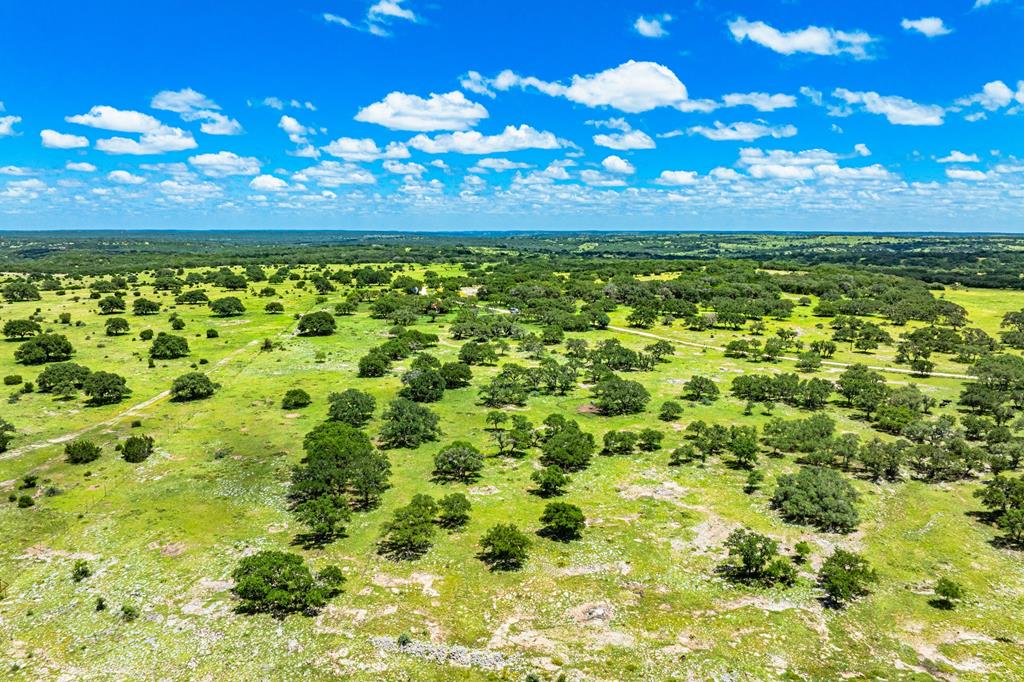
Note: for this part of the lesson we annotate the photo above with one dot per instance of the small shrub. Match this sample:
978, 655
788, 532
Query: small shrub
82, 451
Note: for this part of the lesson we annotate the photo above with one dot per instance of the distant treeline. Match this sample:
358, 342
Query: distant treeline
995, 261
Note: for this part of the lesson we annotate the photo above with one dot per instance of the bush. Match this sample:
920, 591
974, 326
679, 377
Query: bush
295, 399
845, 576
129, 612
192, 386
460, 461
562, 521
351, 406
819, 497
280, 583
25, 501
504, 547
755, 558
670, 411
105, 388
374, 364
12, 380
80, 570
136, 449
146, 334
551, 481
82, 451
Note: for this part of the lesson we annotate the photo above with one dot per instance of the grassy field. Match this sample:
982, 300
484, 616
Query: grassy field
636, 599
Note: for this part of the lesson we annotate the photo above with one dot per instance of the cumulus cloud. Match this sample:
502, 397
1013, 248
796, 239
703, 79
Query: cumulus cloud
80, 166
496, 164
7, 125
155, 137
932, 27
223, 164
399, 168
958, 157
268, 183
335, 174
633, 139
812, 40
195, 106
364, 149
122, 177
677, 178
280, 104
653, 27
897, 110
598, 179
781, 164
54, 140
743, 131
633, 87
994, 95
762, 101
399, 111
472, 142
965, 174
616, 164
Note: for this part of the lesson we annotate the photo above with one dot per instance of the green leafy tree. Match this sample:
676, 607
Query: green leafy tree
948, 593
192, 386
144, 306
819, 497
351, 406
844, 576
410, 532
62, 378
44, 348
229, 306
551, 481
504, 547
294, 399
755, 558
700, 389
459, 461
105, 388
408, 425
319, 323
280, 583
116, 326
562, 521
111, 304
20, 329
168, 347
453, 511
615, 396
325, 516
670, 411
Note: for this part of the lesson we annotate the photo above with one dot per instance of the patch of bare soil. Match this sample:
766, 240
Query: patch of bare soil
425, 581
588, 408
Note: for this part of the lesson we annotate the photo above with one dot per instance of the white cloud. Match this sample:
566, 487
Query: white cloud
774, 171
762, 101
399, 111
498, 165
280, 104
633, 139
24, 190
616, 164
80, 166
472, 142
214, 123
54, 140
182, 101
476, 83
297, 132
267, 183
653, 27
335, 174
632, 87
598, 179
724, 174
816, 96
399, 168
812, 40
742, 130
677, 178
931, 27
379, 17
965, 174
118, 120
166, 139
365, 149
223, 164
7, 125
14, 170
862, 149
959, 157
994, 95
125, 178
897, 110
780, 164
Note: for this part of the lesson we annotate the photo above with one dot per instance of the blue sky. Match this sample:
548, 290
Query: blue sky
436, 114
